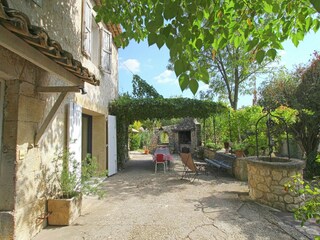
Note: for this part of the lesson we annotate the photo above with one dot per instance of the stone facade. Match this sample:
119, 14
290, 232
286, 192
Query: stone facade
266, 180
189, 125
24, 163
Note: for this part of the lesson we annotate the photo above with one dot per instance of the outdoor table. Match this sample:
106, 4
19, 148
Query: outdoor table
166, 152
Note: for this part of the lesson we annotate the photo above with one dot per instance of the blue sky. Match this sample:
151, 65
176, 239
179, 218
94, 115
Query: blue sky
150, 64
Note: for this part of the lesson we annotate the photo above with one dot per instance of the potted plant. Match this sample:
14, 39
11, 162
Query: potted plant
71, 180
146, 139
238, 149
226, 144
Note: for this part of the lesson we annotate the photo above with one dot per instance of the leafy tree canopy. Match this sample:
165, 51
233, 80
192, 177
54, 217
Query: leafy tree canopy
186, 27
141, 89
300, 92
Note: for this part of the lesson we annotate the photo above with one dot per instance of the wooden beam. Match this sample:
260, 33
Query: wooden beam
23, 49
49, 117
50, 89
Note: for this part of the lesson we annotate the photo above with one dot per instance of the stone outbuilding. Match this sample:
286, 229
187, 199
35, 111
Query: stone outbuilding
58, 72
182, 137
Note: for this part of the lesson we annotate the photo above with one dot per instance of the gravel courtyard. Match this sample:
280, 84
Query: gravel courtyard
140, 204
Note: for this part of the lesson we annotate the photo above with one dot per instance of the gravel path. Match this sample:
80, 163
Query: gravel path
140, 204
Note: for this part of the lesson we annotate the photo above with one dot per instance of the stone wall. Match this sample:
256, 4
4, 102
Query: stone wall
240, 169
266, 182
24, 165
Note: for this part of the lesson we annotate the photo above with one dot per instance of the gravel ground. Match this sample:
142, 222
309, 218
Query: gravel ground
140, 204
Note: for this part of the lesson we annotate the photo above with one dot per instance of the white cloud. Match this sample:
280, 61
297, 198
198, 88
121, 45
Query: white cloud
166, 77
133, 65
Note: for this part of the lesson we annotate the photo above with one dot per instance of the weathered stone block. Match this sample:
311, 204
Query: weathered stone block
276, 175
284, 180
279, 205
265, 172
255, 194
288, 199
263, 187
291, 207
272, 197
268, 181
299, 199
279, 190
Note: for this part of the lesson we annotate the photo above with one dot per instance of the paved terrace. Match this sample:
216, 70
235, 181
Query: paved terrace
140, 204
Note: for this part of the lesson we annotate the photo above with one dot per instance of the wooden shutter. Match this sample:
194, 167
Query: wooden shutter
106, 51
87, 31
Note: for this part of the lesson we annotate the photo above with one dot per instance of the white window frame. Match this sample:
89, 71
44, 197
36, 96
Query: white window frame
106, 51
97, 56
2, 85
86, 28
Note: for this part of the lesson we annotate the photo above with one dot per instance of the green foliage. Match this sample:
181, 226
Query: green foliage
213, 146
310, 190
146, 138
135, 141
73, 178
239, 128
141, 89
69, 179
232, 72
187, 27
128, 110
299, 90
162, 108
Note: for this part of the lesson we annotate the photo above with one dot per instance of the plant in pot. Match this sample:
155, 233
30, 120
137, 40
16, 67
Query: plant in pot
238, 149
70, 180
146, 139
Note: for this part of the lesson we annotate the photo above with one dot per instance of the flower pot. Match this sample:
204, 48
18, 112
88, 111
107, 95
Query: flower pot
64, 211
146, 151
239, 153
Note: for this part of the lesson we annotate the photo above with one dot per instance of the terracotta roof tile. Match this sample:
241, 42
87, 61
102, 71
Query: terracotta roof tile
19, 23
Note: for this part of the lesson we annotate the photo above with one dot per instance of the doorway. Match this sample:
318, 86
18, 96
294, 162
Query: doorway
86, 135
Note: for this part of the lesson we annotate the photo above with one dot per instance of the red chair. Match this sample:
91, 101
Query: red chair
160, 159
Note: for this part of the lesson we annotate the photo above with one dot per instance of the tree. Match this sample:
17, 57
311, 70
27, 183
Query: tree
300, 92
232, 72
187, 27
141, 89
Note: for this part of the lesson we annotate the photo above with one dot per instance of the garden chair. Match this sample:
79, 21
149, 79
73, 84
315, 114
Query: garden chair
191, 168
160, 159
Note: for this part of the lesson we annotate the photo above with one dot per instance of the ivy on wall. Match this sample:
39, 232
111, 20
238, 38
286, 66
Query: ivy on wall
128, 110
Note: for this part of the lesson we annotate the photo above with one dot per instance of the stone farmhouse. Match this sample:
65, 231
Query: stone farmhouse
58, 72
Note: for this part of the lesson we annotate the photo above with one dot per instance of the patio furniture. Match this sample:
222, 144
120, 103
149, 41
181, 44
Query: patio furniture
191, 168
160, 159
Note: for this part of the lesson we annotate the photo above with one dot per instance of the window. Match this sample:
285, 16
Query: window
96, 40
106, 51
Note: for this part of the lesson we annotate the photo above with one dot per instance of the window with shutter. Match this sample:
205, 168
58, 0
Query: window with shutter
87, 29
106, 51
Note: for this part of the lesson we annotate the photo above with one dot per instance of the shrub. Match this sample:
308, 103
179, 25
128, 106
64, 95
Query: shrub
135, 140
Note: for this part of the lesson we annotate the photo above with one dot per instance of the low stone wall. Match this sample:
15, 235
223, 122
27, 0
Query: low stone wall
240, 169
266, 181
208, 153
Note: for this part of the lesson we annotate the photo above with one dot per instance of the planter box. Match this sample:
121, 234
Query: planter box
64, 211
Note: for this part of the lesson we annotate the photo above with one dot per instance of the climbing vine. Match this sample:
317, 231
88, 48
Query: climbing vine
128, 110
